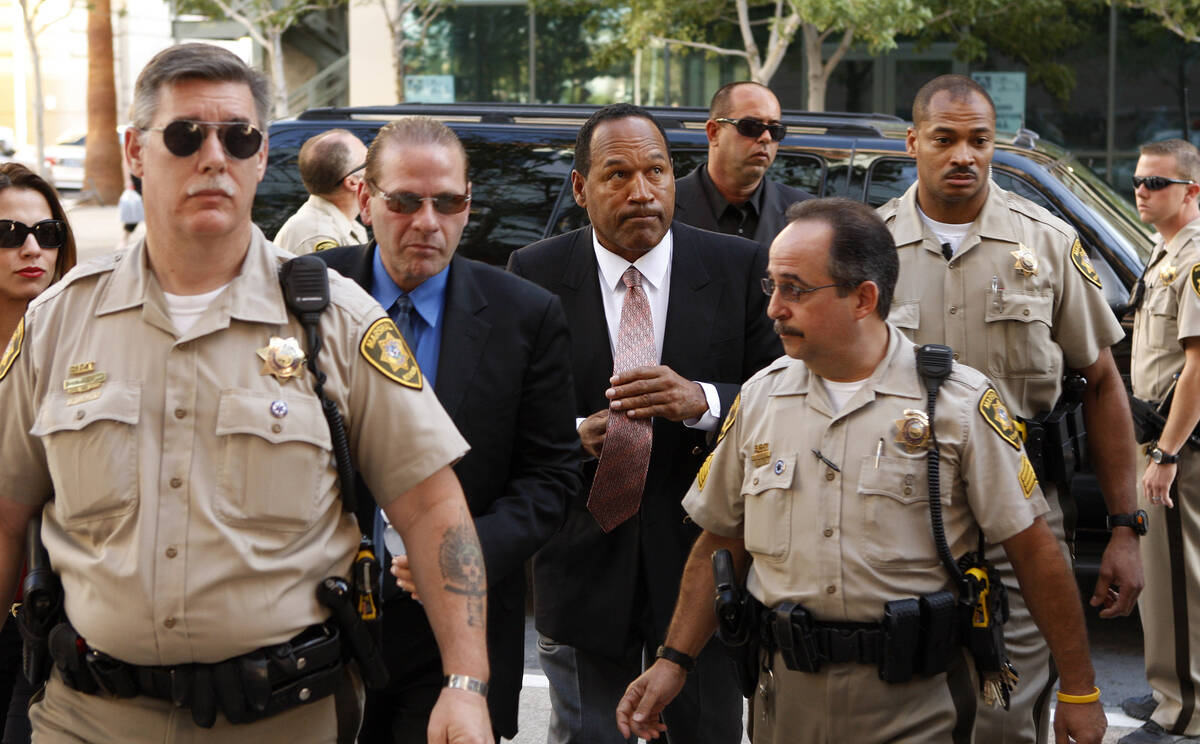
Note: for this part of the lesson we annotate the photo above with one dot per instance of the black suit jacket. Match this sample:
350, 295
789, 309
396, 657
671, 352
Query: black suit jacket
504, 377
586, 582
692, 207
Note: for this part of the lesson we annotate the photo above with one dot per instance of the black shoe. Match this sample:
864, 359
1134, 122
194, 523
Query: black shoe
1140, 708
1152, 733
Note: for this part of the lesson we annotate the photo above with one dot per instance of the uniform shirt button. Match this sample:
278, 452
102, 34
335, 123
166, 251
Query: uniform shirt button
276, 428
831, 589
907, 490
172, 552
79, 415
956, 356
697, 450
169, 622
953, 309
176, 482
756, 481
828, 532
1025, 311
829, 475
180, 413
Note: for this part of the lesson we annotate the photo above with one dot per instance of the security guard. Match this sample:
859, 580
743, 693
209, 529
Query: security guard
162, 397
1010, 289
331, 168
821, 477
1166, 355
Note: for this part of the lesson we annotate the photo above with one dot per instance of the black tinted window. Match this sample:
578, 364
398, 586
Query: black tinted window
889, 178
802, 171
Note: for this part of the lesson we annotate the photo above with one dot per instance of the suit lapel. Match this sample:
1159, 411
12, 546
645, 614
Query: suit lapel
589, 330
464, 335
690, 200
692, 305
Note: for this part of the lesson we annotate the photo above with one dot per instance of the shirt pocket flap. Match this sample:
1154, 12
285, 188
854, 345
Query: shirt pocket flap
899, 479
116, 401
775, 474
1158, 301
906, 314
1021, 306
272, 418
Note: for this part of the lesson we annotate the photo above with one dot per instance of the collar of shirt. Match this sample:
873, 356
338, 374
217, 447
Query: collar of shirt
718, 203
655, 266
993, 221
1189, 231
134, 284
428, 297
350, 226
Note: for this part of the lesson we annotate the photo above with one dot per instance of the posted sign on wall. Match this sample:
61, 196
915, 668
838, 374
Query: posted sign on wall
1007, 90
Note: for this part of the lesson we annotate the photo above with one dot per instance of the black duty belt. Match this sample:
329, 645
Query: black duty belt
245, 688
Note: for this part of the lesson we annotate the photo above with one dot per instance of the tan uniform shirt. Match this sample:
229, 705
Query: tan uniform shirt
1169, 313
843, 542
318, 224
195, 500
1016, 319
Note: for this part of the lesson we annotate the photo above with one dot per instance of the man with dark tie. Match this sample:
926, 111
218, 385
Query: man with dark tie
495, 350
666, 322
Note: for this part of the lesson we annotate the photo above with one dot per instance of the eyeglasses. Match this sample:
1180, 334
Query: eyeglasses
352, 171
49, 234
1157, 183
184, 137
406, 202
793, 292
753, 128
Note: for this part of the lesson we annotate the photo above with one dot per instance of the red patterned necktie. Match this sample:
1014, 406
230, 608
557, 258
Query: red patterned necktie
616, 491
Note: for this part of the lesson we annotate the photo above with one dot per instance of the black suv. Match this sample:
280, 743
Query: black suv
521, 158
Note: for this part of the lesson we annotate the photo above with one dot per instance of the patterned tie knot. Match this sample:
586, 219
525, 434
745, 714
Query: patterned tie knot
403, 305
632, 277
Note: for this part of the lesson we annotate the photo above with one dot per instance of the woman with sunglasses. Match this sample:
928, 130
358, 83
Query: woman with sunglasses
36, 249
36, 245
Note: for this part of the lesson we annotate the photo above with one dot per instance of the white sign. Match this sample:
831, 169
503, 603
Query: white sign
429, 88
1007, 90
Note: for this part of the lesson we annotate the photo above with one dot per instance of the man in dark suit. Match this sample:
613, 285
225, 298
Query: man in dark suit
731, 193
678, 314
495, 348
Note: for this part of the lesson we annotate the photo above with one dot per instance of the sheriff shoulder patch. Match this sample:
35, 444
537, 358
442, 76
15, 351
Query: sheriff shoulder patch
384, 349
1079, 257
1026, 476
733, 409
703, 474
998, 418
13, 350
1196, 279
325, 245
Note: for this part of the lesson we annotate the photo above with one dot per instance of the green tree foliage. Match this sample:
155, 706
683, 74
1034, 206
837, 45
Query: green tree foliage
1180, 17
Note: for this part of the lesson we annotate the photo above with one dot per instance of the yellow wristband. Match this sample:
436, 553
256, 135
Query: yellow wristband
1091, 697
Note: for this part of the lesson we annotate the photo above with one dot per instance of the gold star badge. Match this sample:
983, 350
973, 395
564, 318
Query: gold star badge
1027, 262
912, 431
1167, 274
283, 358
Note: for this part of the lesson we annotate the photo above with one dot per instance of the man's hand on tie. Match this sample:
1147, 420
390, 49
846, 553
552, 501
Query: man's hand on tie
643, 392
591, 432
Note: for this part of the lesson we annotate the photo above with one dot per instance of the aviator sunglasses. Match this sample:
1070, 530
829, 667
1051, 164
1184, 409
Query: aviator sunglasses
184, 137
1157, 183
406, 202
753, 128
50, 234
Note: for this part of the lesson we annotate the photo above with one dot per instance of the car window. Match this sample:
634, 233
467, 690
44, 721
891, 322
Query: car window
801, 170
888, 178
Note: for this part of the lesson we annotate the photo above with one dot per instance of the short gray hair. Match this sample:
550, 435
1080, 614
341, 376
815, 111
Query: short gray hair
1187, 157
195, 62
422, 131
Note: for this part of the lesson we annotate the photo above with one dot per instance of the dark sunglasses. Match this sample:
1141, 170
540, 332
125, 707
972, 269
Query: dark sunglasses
753, 128
184, 137
1157, 183
406, 202
50, 234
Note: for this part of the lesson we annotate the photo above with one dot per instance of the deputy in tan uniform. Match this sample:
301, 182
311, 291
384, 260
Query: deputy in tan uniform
820, 477
1010, 289
159, 417
1166, 343
331, 168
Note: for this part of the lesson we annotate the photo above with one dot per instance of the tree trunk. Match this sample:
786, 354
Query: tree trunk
39, 105
814, 71
398, 44
102, 168
278, 81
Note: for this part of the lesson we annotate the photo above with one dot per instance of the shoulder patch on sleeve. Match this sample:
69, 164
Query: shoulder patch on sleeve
13, 349
1196, 279
1026, 476
325, 245
998, 418
1079, 257
733, 409
384, 349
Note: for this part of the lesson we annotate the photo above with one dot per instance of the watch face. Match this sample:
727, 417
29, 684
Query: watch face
1156, 455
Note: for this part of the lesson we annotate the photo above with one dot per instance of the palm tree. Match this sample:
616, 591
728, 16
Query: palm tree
102, 165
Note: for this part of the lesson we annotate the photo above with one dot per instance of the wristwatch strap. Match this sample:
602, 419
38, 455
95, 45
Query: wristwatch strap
1137, 521
463, 682
676, 656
